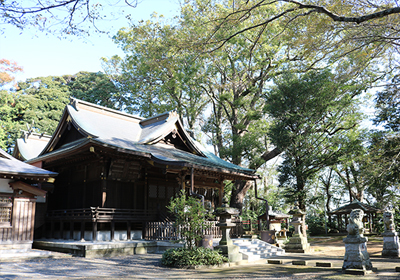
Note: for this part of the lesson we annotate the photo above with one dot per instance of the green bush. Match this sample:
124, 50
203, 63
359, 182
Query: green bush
316, 224
183, 257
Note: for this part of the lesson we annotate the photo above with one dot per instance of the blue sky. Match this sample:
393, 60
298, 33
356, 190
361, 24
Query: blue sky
44, 55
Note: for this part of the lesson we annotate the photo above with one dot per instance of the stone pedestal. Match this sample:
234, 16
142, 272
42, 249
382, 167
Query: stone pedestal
226, 244
356, 256
390, 244
356, 259
298, 242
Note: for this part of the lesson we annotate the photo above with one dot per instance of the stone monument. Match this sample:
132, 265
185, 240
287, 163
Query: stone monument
298, 242
390, 238
226, 244
356, 256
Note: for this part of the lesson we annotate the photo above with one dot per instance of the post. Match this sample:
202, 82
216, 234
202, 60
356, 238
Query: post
71, 230
82, 231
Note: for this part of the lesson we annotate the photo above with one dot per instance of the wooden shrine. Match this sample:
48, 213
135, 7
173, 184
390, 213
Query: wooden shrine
20, 189
118, 171
343, 212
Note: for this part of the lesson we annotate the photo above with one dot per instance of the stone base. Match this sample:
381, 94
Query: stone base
356, 256
230, 251
297, 244
356, 271
390, 245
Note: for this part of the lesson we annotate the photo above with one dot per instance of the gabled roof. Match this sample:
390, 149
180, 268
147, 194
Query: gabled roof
161, 138
356, 204
10, 167
30, 145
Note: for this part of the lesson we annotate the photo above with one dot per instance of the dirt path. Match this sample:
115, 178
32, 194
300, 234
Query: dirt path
334, 246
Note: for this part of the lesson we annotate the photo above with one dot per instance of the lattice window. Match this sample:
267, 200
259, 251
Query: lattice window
5, 211
161, 191
153, 191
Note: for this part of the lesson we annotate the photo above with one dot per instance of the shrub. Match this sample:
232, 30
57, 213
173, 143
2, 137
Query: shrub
190, 218
316, 224
183, 257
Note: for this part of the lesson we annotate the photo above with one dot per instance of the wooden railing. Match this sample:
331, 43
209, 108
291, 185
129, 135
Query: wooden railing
97, 214
167, 231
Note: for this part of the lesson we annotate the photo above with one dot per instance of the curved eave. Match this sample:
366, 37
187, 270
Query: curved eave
26, 176
207, 168
83, 142
173, 123
77, 126
60, 128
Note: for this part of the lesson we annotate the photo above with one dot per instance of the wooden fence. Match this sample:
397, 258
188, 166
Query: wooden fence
20, 228
167, 231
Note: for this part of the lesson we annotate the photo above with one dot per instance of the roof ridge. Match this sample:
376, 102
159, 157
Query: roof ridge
74, 102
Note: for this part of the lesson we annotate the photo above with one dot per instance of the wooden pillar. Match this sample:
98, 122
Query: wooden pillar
71, 230
221, 193
82, 231
44, 229
128, 233
192, 179
146, 190
346, 219
112, 230
62, 229
339, 222
94, 231
135, 196
52, 229
370, 222
103, 192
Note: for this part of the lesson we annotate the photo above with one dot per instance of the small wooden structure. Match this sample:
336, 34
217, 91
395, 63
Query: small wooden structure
118, 172
343, 212
19, 190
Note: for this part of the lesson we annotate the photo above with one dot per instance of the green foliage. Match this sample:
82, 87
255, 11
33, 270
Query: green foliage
97, 88
183, 257
39, 102
190, 218
388, 105
316, 224
312, 113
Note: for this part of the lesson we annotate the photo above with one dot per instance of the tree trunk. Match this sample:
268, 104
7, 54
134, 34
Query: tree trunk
239, 191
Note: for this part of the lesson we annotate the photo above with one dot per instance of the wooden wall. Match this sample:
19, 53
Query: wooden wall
22, 224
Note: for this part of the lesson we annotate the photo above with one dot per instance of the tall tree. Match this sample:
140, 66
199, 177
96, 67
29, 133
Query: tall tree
156, 76
98, 88
66, 17
311, 114
39, 102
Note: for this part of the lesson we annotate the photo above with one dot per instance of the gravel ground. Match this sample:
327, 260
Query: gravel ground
148, 267
63, 266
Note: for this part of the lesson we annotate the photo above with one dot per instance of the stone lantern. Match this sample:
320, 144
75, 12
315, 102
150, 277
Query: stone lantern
390, 238
298, 242
225, 214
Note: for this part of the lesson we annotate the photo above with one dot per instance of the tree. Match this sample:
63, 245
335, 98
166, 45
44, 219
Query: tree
367, 22
312, 113
97, 88
7, 69
39, 102
69, 17
158, 78
190, 218
388, 105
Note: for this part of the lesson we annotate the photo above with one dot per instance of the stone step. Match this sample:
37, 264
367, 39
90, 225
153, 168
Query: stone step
256, 249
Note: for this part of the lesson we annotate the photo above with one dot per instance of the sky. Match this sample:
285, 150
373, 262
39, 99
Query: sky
44, 55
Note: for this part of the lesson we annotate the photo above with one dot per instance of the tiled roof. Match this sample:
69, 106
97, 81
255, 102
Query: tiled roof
113, 128
9, 166
356, 204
